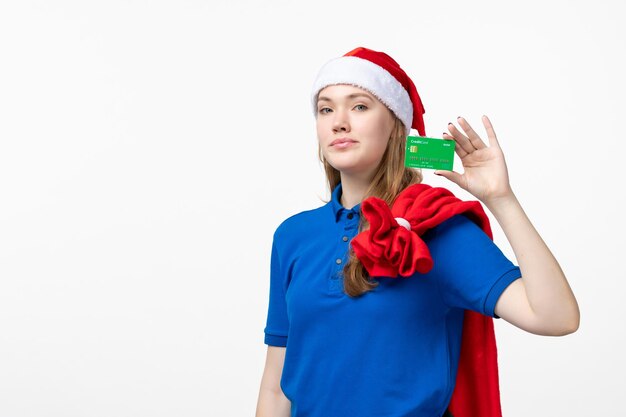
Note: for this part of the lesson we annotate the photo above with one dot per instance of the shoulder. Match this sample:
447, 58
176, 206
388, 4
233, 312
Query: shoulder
299, 223
457, 238
460, 244
457, 227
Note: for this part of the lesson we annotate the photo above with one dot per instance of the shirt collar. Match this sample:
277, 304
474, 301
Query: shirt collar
335, 203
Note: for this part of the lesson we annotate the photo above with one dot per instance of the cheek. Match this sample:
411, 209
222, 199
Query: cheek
382, 132
322, 138
321, 129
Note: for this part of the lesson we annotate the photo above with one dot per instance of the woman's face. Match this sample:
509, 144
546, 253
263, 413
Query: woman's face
353, 128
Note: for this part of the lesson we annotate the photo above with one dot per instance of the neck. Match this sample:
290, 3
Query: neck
352, 190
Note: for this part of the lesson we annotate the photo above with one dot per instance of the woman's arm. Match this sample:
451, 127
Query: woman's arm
542, 301
272, 401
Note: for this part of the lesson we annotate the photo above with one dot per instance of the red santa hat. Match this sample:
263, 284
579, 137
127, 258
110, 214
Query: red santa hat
382, 76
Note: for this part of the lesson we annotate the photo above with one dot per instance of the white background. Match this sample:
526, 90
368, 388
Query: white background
150, 149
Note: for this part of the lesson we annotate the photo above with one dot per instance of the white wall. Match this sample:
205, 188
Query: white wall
148, 150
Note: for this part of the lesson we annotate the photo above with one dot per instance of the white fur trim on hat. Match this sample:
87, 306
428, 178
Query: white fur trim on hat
369, 76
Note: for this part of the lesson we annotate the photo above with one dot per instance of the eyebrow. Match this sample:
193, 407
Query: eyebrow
350, 96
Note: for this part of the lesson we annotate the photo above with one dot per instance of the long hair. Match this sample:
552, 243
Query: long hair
390, 178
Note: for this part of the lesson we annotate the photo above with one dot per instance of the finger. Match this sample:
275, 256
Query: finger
459, 150
455, 177
473, 137
491, 133
460, 139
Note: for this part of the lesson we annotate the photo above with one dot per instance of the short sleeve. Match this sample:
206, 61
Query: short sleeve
277, 324
472, 272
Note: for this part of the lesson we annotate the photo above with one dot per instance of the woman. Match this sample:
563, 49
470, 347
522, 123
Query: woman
382, 301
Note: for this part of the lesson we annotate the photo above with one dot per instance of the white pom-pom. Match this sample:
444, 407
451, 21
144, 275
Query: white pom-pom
404, 223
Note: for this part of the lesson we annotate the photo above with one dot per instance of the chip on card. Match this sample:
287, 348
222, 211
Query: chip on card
430, 153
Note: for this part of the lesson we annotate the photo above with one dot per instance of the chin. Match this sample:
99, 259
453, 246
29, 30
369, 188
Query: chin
348, 168
351, 163
342, 164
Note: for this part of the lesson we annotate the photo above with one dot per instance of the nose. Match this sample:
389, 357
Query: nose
340, 121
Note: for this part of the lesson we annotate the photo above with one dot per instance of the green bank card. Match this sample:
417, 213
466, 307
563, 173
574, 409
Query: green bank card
431, 153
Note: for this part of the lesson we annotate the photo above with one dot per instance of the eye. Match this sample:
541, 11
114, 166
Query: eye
322, 110
361, 107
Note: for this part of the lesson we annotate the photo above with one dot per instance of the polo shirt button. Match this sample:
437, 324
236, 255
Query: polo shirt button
338, 261
345, 238
350, 215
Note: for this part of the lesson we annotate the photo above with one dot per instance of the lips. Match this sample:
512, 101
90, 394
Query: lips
341, 141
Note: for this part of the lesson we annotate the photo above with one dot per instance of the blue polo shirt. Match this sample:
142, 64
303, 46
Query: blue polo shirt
392, 352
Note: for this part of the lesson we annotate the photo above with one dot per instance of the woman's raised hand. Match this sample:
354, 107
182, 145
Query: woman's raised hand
486, 176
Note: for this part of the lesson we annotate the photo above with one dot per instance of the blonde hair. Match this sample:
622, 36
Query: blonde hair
390, 178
